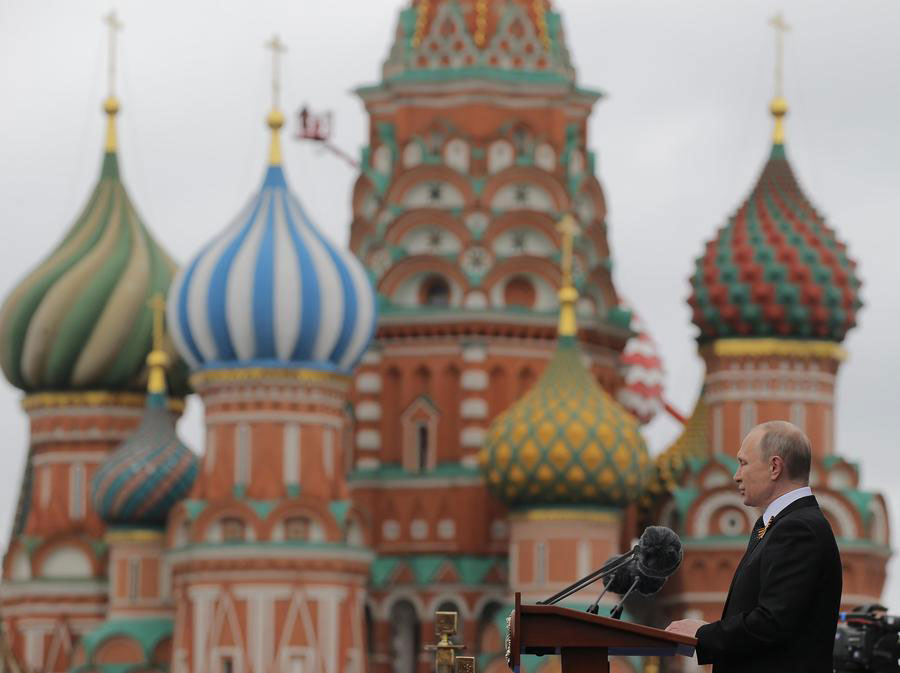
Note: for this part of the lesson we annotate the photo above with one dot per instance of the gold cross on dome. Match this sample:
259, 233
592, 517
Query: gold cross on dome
158, 307
568, 295
278, 48
568, 229
112, 21
781, 27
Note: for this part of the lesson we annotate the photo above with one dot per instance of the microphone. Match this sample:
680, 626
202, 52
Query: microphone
621, 580
659, 552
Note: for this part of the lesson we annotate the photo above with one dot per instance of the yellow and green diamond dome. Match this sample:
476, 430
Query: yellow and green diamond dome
566, 441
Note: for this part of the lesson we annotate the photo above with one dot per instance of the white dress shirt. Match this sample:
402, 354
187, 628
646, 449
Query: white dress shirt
783, 501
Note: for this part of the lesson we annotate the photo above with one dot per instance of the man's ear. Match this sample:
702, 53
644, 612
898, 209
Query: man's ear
776, 467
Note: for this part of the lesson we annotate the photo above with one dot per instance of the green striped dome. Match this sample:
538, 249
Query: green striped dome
566, 441
81, 319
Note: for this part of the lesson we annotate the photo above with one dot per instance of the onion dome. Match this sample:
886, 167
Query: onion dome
566, 440
441, 39
271, 290
141, 480
80, 319
643, 372
775, 269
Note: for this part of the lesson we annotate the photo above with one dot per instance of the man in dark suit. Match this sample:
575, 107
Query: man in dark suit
782, 608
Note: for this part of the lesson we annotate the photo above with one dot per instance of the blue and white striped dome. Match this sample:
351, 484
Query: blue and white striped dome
272, 291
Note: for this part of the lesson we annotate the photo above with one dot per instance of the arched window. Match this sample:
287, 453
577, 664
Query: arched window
233, 529
519, 292
296, 528
420, 424
435, 292
405, 637
489, 639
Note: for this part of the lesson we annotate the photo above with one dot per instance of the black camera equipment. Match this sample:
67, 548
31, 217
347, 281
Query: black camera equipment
867, 639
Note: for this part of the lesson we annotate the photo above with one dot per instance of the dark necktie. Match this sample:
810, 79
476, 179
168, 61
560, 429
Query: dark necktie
754, 536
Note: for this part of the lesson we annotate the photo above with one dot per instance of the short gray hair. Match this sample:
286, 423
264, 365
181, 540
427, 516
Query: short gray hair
780, 438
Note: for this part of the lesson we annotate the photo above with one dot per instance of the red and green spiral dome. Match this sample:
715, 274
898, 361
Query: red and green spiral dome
775, 269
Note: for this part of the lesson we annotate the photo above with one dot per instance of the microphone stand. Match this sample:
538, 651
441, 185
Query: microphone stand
587, 580
594, 608
616, 612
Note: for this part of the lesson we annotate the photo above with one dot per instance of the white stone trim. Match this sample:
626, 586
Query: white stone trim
843, 518
474, 379
446, 596
371, 357
470, 460
300, 417
708, 506
65, 457
77, 492
761, 395
92, 435
474, 407
474, 353
57, 588
767, 375
328, 452
252, 551
472, 436
368, 382
368, 410
417, 351
402, 595
368, 439
412, 482
53, 608
291, 463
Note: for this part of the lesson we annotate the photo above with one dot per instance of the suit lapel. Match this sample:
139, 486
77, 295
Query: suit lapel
754, 542
751, 543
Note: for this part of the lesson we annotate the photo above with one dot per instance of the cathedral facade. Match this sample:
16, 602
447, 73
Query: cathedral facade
443, 414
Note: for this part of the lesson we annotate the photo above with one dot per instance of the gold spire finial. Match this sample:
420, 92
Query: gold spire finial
157, 359
275, 120
568, 295
111, 104
779, 106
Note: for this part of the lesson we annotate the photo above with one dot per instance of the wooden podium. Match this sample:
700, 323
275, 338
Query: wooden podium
585, 641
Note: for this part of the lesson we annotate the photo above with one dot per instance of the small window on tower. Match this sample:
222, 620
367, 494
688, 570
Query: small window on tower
435, 292
296, 528
422, 447
232, 529
519, 292
227, 665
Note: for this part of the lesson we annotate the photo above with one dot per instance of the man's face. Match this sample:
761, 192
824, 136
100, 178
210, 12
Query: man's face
753, 477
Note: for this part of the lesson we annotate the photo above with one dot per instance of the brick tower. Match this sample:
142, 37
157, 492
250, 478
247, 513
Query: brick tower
773, 295
477, 146
74, 335
567, 460
267, 554
133, 491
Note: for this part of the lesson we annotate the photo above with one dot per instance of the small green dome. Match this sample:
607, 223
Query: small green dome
81, 320
566, 441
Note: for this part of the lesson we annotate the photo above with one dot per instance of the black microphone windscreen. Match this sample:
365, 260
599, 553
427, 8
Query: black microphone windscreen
659, 552
621, 580
648, 586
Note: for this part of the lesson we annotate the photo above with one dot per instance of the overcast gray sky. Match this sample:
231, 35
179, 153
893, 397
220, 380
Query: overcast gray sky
680, 139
